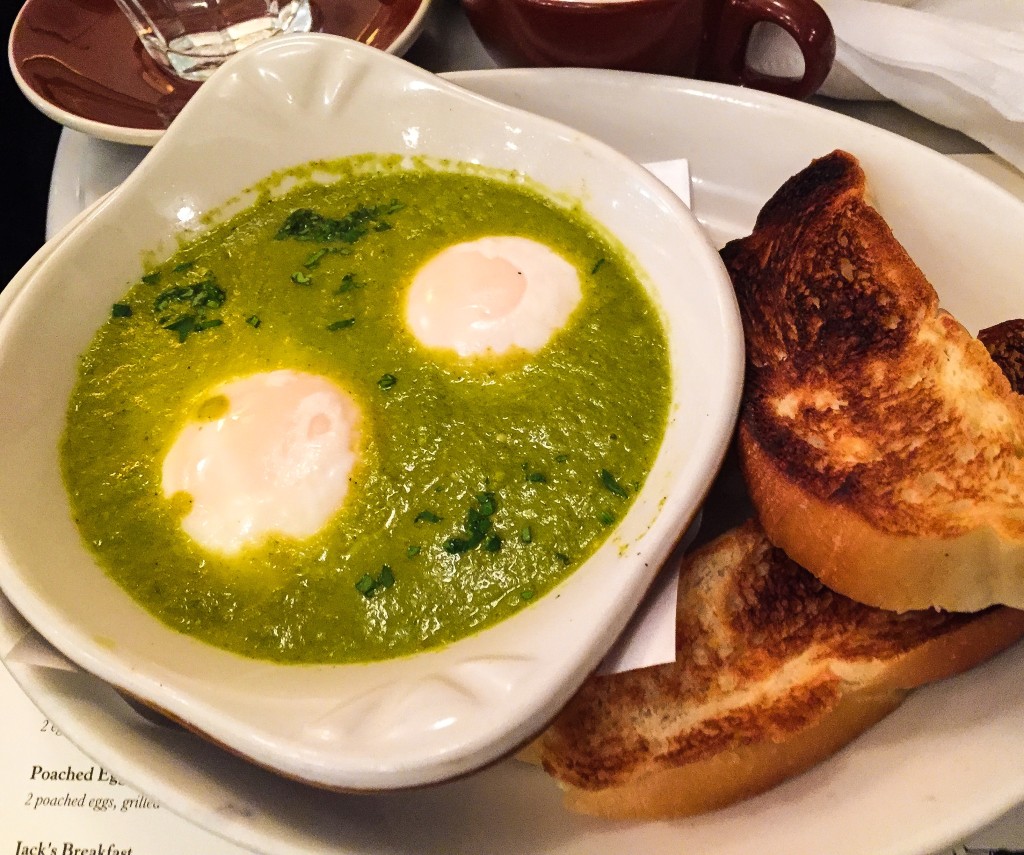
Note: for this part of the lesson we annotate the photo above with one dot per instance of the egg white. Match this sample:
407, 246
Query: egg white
269, 453
491, 296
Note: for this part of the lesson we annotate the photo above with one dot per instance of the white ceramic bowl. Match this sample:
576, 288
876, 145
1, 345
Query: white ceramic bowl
407, 721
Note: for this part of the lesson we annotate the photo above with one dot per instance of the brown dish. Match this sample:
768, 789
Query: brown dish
80, 63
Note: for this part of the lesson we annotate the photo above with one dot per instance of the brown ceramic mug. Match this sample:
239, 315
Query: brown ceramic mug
705, 39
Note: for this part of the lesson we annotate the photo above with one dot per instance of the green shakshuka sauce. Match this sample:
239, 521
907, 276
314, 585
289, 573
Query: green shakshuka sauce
480, 483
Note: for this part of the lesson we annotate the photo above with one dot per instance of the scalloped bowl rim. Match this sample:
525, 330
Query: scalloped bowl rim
417, 719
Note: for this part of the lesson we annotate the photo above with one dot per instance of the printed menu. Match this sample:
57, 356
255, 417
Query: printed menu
56, 801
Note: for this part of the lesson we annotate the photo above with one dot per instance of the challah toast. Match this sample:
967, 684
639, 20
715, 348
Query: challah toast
773, 673
882, 447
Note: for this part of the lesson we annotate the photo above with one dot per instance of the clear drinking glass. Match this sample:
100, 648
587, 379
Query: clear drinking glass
191, 38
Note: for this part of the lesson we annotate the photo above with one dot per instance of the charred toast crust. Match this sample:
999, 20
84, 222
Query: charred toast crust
869, 408
1005, 344
764, 652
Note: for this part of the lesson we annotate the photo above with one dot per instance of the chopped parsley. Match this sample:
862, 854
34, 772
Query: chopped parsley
387, 381
203, 294
525, 534
412, 551
477, 527
313, 260
348, 283
613, 486
254, 321
120, 310
300, 278
427, 516
369, 585
597, 266
344, 323
187, 324
306, 224
151, 278
193, 301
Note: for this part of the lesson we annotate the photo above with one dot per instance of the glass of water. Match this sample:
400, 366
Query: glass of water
191, 38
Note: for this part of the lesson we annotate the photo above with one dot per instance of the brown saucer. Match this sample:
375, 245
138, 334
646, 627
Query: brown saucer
80, 63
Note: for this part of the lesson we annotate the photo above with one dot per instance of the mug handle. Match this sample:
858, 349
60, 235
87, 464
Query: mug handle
804, 20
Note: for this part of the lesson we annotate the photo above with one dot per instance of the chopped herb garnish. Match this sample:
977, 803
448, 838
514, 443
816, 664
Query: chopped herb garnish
537, 478
151, 278
606, 518
597, 266
348, 283
184, 308
525, 535
369, 585
204, 294
182, 326
412, 551
253, 321
456, 545
344, 323
187, 324
561, 458
314, 258
306, 224
121, 310
387, 381
527, 594
427, 516
300, 278
613, 486
476, 527
565, 559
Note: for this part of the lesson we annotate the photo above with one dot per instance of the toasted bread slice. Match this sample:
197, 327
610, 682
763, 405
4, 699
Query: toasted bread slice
882, 446
774, 672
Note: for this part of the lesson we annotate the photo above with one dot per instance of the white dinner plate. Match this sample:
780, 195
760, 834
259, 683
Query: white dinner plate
944, 764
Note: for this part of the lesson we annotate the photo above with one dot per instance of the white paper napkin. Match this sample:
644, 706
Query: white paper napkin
959, 63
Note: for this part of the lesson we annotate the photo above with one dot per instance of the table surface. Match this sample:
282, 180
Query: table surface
63, 179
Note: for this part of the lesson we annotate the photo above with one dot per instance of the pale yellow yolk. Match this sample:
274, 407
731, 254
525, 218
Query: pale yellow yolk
492, 295
270, 453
